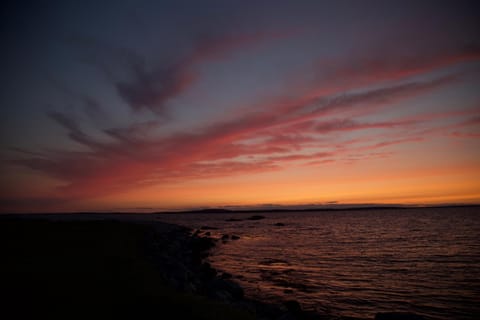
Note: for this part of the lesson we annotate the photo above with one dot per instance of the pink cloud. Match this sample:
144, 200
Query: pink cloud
114, 166
284, 124
384, 65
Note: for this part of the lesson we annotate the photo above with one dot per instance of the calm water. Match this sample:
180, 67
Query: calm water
356, 263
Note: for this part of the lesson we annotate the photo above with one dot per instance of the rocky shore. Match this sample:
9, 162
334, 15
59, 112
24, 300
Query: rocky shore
188, 269
180, 254
68, 266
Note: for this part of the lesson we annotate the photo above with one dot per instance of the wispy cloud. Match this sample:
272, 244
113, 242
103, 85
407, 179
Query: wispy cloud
131, 159
151, 84
383, 65
303, 128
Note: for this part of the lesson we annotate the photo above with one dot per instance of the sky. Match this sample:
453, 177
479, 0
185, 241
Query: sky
166, 105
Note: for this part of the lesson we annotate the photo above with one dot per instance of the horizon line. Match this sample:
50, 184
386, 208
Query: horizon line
257, 208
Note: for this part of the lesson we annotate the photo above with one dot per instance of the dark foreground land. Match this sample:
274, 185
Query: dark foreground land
85, 269
110, 269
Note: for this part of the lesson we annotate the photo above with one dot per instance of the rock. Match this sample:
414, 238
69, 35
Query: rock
208, 234
226, 286
233, 219
234, 237
398, 316
256, 217
222, 295
235, 290
287, 316
293, 306
225, 237
200, 248
279, 224
226, 275
203, 244
288, 291
208, 271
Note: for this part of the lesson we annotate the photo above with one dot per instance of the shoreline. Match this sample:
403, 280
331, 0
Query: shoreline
218, 285
156, 265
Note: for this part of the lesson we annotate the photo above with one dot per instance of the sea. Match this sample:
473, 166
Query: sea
355, 262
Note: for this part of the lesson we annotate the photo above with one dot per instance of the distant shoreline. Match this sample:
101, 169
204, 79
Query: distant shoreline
247, 211
214, 210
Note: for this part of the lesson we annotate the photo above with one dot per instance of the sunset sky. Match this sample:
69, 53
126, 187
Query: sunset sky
162, 105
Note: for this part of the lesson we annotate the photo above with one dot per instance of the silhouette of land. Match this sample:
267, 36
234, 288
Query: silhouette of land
320, 208
99, 269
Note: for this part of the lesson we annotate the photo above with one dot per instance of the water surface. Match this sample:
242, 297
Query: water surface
355, 263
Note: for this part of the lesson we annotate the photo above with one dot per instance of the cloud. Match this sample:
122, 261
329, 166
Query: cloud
133, 134
296, 157
74, 131
132, 158
383, 65
94, 110
393, 142
223, 168
351, 125
459, 134
151, 85
473, 121
280, 133
152, 89
346, 104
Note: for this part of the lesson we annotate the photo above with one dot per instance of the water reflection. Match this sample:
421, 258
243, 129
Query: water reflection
356, 263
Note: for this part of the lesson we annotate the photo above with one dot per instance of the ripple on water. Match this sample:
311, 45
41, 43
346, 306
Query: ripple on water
356, 263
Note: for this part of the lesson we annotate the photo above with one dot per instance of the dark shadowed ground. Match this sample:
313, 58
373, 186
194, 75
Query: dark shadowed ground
90, 269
